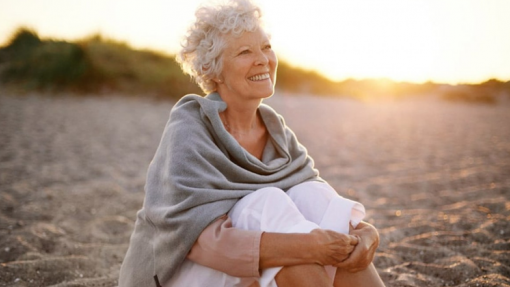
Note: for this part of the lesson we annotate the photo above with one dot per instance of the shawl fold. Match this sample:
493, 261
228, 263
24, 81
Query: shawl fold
198, 173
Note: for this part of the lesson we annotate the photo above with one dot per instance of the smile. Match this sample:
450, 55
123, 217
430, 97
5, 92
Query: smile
259, 77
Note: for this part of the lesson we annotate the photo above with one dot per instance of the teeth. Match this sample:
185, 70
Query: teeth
259, 77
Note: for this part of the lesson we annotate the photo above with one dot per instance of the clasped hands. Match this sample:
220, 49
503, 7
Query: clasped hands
352, 252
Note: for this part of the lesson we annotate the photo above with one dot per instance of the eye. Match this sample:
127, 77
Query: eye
244, 52
267, 47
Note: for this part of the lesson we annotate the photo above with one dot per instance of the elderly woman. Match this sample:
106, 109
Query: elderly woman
232, 198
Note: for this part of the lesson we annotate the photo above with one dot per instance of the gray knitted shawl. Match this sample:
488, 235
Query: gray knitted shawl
198, 173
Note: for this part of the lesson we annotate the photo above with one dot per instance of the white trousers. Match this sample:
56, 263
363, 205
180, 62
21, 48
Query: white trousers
301, 209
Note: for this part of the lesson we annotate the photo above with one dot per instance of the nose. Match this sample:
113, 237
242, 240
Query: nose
262, 58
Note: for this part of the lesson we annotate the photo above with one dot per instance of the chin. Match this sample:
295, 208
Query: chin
267, 93
268, 96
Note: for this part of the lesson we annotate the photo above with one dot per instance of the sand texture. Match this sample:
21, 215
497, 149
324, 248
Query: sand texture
434, 177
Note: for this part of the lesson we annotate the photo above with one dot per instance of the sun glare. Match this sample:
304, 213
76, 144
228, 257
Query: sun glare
413, 41
439, 40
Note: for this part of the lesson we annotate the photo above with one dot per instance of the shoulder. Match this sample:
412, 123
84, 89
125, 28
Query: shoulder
195, 106
187, 107
191, 117
184, 122
270, 115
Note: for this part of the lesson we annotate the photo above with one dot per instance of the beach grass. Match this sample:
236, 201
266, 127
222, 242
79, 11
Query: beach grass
102, 66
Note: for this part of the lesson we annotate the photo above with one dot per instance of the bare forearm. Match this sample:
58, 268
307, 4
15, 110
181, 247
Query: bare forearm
323, 247
284, 249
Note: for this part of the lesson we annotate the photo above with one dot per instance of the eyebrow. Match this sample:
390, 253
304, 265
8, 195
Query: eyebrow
243, 47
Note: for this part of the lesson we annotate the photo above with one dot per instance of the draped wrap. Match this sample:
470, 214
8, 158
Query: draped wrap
198, 173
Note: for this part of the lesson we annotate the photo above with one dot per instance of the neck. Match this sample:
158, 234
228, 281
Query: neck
243, 121
238, 121
241, 115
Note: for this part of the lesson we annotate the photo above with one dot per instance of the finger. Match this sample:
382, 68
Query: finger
353, 260
347, 263
354, 240
348, 249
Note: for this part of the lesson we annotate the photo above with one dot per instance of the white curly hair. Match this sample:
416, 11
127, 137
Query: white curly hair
203, 45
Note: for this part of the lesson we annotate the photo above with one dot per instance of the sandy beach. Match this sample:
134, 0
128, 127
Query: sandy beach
434, 177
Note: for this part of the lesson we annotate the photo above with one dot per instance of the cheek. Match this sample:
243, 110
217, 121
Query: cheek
239, 67
229, 72
273, 60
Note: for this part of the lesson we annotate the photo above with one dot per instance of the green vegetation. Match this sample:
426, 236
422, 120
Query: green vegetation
488, 92
91, 65
42, 63
95, 65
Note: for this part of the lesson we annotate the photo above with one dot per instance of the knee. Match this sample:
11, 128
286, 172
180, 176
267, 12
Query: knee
270, 198
311, 197
271, 194
261, 197
312, 190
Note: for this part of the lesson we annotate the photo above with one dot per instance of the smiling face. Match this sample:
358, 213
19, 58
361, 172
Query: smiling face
249, 67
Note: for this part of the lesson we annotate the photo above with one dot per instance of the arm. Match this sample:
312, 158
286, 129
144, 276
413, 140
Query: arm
323, 247
242, 253
227, 249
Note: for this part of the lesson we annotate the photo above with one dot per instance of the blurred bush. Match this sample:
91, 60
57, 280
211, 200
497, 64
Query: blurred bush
42, 64
101, 66
295, 80
22, 42
121, 68
92, 65
468, 94
489, 92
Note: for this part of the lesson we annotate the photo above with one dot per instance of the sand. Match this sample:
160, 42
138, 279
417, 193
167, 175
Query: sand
434, 177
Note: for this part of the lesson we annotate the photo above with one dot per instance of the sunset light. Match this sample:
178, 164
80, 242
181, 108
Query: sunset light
346, 142
448, 41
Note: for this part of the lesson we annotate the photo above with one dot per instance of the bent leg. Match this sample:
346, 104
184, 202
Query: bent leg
271, 210
303, 275
367, 277
194, 274
321, 204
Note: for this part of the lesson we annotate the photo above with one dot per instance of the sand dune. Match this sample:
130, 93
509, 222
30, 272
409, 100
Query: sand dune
434, 177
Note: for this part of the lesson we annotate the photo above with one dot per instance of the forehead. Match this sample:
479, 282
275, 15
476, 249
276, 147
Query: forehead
247, 38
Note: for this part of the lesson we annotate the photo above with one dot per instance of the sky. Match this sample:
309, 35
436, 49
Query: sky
444, 41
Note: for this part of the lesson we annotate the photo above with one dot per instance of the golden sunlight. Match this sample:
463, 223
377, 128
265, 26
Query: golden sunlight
443, 41
417, 41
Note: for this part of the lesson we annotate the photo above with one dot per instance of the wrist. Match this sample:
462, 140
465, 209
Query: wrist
287, 249
313, 247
